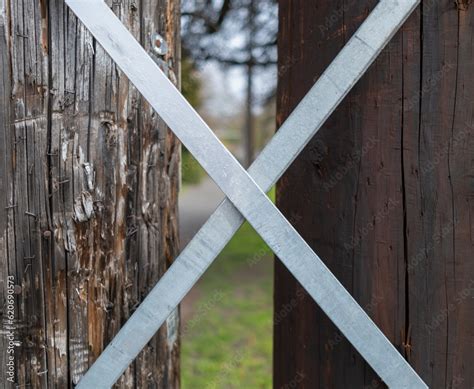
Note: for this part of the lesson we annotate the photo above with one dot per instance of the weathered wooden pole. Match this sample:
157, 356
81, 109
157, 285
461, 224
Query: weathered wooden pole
384, 193
88, 195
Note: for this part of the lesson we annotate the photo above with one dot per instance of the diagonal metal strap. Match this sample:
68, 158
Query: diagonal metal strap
246, 195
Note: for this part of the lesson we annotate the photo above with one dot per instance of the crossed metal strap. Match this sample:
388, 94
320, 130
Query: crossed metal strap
245, 193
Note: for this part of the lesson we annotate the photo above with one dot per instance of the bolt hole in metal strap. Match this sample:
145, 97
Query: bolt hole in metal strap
245, 192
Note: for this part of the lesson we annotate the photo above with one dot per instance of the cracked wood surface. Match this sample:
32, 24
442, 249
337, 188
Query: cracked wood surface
88, 203
385, 193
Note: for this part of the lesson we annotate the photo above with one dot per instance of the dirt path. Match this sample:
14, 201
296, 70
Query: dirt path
196, 204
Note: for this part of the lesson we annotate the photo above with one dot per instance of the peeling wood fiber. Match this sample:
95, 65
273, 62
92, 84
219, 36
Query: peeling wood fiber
89, 177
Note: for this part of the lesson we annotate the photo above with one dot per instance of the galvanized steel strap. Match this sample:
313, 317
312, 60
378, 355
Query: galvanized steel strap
245, 194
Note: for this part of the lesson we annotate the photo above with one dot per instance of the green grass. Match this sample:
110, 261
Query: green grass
192, 171
227, 342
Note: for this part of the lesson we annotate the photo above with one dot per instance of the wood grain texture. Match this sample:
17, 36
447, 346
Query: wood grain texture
384, 194
88, 203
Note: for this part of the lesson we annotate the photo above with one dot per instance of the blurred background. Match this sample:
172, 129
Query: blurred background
229, 75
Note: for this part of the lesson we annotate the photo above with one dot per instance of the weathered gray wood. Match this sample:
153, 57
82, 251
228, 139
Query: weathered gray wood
93, 177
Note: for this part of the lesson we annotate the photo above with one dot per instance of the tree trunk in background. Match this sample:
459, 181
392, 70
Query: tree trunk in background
384, 194
249, 125
88, 202
249, 130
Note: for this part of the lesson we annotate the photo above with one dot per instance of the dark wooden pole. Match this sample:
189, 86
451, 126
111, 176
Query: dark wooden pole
88, 195
384, 194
